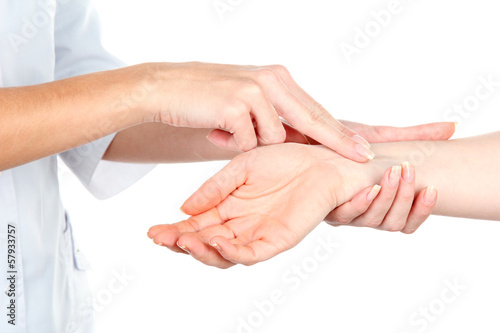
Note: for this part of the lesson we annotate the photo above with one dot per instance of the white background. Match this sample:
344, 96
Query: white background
428, 58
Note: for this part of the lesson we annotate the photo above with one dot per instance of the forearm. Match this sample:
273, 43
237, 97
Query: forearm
42, 120
161, 143
464, 171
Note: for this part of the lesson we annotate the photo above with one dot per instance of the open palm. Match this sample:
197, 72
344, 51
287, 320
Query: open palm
266, 201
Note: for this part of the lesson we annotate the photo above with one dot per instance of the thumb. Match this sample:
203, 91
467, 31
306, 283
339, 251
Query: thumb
217, 188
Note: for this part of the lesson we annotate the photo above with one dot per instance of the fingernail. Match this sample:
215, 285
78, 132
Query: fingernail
161, 244
215, 245
184, 247
456, 124
365, 152
183, 212
430, 195
395, 176
373, 193
149, 236
360, 139
408, 172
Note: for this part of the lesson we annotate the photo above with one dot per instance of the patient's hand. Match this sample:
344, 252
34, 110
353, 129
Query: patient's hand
266, 201
390, 206
263, 203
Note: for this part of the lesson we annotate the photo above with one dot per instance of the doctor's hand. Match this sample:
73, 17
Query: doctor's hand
244, 105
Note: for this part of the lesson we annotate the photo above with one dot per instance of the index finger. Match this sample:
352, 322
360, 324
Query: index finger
308, 116
317, 123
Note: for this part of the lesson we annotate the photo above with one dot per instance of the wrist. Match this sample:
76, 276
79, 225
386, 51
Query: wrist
346, 177
355, 176
143, 99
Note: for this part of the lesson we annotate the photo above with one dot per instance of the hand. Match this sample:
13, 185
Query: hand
262, 203
395, 208
233, 98
389, 206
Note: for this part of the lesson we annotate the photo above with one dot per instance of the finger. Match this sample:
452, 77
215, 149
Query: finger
311, 119
432, 131
168, 234
422, 208
250, 254
348, 211
292, 135
202, 251
222, 138
218, 187
396, 218
268, 124
307, 99
223, 230
375, 214
244, 136
316, 124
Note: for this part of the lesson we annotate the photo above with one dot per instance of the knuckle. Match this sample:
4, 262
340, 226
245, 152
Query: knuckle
372, 222
394, 227
342, 220
234, 119
248, 145
249, 262
388, 196
359, 209
343, 140
267, 75
408, 231
193, 224
280, 70
394, 224
183, 238
407, 196
250, 88
272, 135
318, 114
235, 109
280, 135
213, 189
247, 141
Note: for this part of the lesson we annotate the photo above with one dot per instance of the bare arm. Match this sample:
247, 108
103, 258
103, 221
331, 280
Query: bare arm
161, 143
243, 103
42, 120
464, 171
260, 205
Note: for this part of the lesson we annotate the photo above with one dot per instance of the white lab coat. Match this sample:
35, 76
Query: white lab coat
42, 41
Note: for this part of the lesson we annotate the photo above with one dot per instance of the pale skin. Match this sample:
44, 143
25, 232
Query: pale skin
165, 112
152, 106
259, 206
243, 103
156, 143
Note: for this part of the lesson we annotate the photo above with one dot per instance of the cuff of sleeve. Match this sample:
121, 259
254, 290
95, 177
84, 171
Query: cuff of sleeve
103, 179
